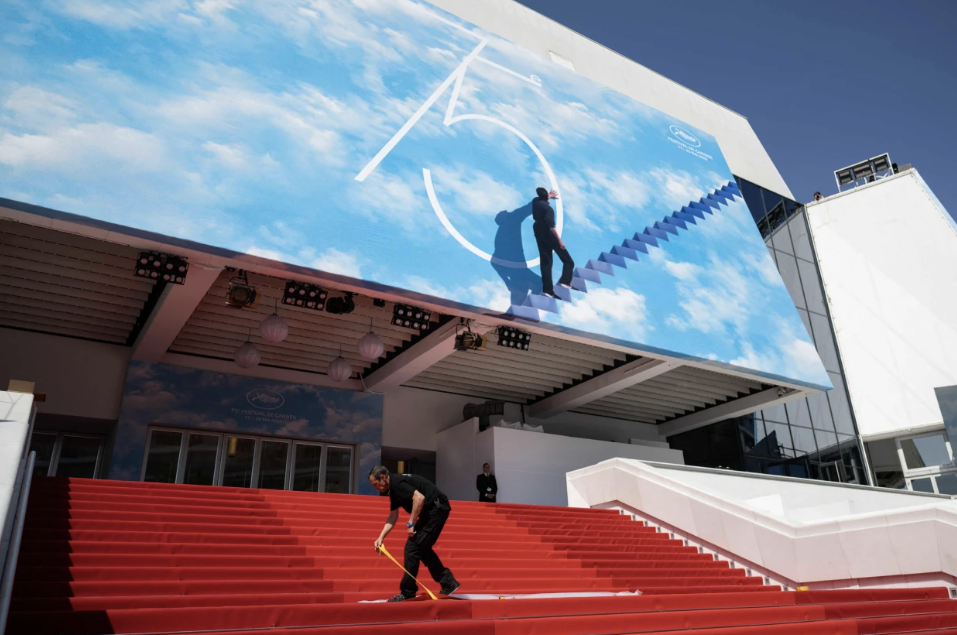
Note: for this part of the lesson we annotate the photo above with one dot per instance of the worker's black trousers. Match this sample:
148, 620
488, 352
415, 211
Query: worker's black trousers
418, 548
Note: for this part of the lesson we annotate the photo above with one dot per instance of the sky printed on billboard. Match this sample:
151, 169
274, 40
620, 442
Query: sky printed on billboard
386, 141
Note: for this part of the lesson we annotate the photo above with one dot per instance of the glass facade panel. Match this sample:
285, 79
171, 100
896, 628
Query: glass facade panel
78, 457
798, 413
788, 267
806, 318
922, 485
781, 239
824, 341
774, 204
947, 484
926, 451
812, 287
162, 458
839, 405
828, 448
43, 444
201, 452
803, 440
820, 412
800, 237
272, 465
775, 413
238, 462
306, 470
779, 439
338, 470
752, 196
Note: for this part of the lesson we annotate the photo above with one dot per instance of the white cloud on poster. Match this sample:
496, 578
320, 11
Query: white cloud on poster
86, 148
621, 312
340, 262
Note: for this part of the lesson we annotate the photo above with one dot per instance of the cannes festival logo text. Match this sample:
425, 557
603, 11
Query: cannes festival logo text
265, 399
683, 135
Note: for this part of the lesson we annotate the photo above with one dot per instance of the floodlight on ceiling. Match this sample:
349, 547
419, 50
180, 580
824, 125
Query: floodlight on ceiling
411, 317
158, 266
513, 338
241, 295
302, 294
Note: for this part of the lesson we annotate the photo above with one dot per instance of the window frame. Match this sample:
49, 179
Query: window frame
58, 446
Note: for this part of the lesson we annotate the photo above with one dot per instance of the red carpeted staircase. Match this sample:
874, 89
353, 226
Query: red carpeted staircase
124, 557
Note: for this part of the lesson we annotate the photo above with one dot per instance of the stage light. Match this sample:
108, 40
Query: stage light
302, 294
241, 294
513, 338
882, 163
159, 266
862, 170
469, 341
411, 317
844, 176
341, 306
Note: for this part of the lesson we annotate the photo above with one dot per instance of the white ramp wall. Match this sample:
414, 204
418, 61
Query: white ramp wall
794, 532
888, 258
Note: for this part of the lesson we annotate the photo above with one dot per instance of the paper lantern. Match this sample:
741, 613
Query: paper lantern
339, 369
247, 355
371, 346
274, 329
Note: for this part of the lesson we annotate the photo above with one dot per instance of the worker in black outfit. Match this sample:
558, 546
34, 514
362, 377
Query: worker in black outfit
428, 510
548, 241
486, 485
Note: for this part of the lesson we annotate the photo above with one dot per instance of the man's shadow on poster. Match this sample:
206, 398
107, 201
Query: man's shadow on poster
520, 281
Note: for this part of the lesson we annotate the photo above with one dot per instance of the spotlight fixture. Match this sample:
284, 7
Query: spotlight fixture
469, 341
308, 296
241, 294
513, 338
341, 306
865, 171
159, 266
377, 302
411, 317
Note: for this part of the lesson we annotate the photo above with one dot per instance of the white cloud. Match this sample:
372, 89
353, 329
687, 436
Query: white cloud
490, 294
35, 108
625, 189
476, 192
88, 147
271, 254
122, 14
334, 261
621, 312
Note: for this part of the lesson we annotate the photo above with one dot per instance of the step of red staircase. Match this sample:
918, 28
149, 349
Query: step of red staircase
121, 557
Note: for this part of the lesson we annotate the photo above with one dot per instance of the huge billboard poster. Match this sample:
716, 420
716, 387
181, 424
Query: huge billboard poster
391, 142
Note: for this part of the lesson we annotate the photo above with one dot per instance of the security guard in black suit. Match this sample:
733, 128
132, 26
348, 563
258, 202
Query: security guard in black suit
486, 485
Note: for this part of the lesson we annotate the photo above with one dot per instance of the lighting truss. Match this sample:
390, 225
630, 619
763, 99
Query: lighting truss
305, 295
513, 338
411, 317
160, 266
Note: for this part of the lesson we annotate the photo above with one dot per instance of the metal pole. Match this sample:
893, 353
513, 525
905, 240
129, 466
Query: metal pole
6, 586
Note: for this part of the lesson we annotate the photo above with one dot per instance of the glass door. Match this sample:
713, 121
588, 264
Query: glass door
928, 463
66, 454
338, 470
273, 464
307, 467
199, 468
199, 457
238, 466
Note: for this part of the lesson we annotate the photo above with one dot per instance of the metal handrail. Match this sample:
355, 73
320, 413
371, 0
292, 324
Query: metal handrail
10, 566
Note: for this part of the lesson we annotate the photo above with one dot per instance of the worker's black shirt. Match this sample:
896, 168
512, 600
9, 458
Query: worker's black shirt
403, 486
543, 215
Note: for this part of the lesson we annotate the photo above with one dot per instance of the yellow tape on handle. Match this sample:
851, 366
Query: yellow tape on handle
386, 552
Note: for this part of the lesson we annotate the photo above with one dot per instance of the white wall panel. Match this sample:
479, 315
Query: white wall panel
79, 378
519, 24
888, 257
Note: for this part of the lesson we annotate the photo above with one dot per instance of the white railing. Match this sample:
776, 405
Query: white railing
16, 534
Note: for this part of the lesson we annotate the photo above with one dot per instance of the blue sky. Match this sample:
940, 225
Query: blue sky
824, 84
388, 142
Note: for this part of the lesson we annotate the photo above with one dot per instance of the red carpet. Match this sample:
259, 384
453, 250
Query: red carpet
120, 557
